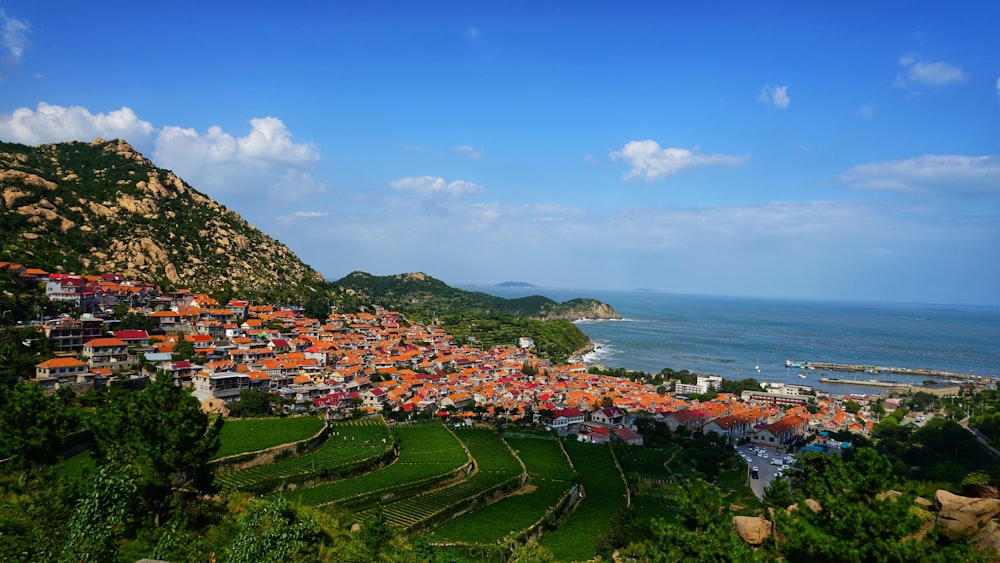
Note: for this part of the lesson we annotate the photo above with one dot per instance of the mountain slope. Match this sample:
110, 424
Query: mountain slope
420, 295
103, 207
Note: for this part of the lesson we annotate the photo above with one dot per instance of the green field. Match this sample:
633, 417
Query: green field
550, 476
510, 486
241, 436
577, 536
428, 452
350, 443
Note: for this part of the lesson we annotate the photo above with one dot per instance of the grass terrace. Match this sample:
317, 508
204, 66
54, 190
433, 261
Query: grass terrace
350, 443
542, 458
577, 537
496, 466
428, 453
239, 436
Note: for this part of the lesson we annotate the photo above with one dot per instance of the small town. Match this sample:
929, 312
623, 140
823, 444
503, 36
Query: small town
350, 365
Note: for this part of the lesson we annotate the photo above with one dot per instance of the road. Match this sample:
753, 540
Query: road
765, 470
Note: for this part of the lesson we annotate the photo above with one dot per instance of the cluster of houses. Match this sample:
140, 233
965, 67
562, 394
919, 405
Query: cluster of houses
380, 362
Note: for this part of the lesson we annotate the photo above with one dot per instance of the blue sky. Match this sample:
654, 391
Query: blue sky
827, 150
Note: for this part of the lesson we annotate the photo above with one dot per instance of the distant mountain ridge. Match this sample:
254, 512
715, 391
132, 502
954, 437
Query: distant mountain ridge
515, 284
103, 207
422, 295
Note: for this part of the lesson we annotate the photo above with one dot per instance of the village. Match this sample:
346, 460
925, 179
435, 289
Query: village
379, 362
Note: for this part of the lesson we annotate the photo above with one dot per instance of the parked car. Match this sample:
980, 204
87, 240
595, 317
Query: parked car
755, 473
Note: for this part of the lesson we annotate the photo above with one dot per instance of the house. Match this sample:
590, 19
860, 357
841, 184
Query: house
733, 426
374, 398
564, 418
61, 372
107, 353
225, 385
690, 419
628, 436
782, 432
611, 416
57, 367
68, 335
138, 338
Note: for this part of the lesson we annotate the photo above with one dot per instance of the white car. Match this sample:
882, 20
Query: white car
764, 455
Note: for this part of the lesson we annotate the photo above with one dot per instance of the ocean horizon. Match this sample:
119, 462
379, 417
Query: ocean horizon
741, 337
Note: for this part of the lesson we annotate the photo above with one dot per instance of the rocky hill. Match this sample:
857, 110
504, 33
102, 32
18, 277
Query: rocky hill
420, 295
103, 207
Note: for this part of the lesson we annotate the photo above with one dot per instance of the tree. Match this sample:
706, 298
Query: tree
33, 425
101, 517
852, 406
252, 402
854, 521
273, 531
183, 349
161, 431
704, 532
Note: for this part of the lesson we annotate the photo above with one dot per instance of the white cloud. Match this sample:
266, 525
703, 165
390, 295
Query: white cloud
266, 160
310, 214
54, 124
434, 186
866, 111
473, 32
268, 142
932, 74
998, 89
16, 35
469, 151
646, 159
944, 175
775, 95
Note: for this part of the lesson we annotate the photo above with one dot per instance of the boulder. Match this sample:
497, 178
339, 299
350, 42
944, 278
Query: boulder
752, 529
960, 517
988, 538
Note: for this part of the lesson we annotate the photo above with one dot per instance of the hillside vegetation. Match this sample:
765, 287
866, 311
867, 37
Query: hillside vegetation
480, 319
103, 207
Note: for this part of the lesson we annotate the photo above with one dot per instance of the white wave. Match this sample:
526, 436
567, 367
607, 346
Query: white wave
601, 351
597, 321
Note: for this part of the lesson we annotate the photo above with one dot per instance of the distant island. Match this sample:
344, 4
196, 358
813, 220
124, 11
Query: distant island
515, 284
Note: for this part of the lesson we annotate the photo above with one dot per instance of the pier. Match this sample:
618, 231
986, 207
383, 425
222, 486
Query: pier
871, 383
920, 372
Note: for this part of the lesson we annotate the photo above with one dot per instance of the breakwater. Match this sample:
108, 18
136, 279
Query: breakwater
873, 383
874, 369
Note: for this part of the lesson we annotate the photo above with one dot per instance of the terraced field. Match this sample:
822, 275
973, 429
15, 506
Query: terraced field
351, 443
576, 538
428, 453
424, 486
496, 466
550, 476
242, 436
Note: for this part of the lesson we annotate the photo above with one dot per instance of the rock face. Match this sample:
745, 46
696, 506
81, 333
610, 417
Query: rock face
960, 517
752, 529
103, 207
580, 309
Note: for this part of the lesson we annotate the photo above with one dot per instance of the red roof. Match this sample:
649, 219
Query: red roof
131, 334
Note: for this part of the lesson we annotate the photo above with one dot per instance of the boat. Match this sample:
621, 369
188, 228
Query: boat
802, 375
793, 364
757, 367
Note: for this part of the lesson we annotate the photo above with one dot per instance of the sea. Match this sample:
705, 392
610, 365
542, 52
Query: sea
741, 337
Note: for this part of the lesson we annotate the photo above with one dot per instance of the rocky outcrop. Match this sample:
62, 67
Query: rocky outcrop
580, 309
103, 207
960, 517
752, 529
